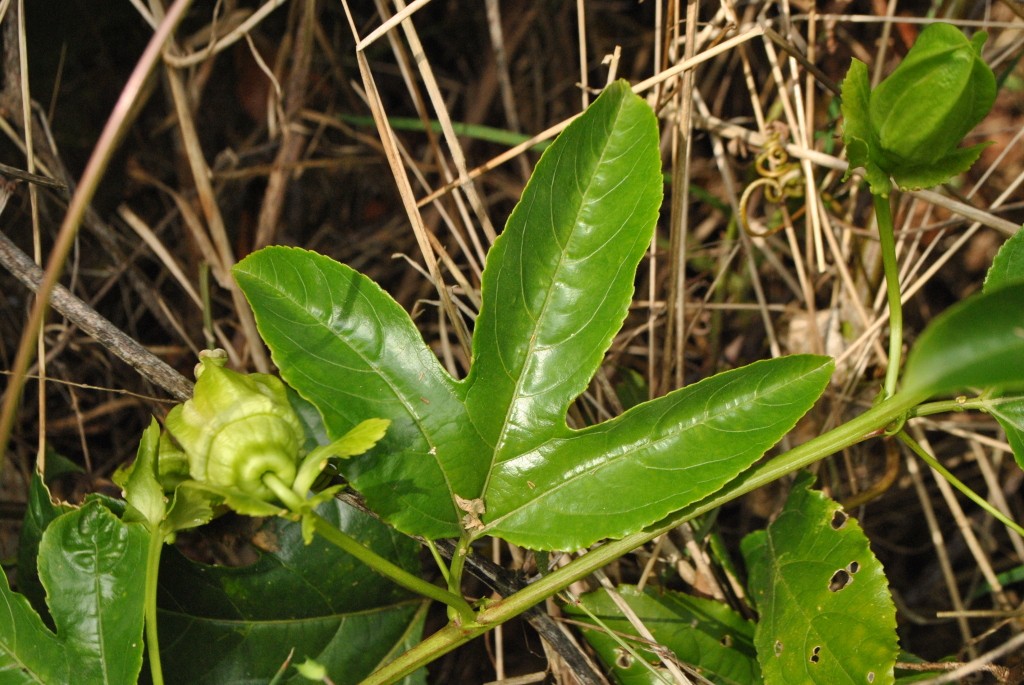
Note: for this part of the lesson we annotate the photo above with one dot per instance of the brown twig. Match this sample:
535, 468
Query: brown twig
86, 318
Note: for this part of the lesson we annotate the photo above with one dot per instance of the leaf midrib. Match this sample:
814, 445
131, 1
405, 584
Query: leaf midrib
547, 300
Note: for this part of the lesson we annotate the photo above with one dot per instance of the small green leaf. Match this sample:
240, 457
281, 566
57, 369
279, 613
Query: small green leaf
978, 343
826, 614
88, 563
358, 440
939, 171
1008, 264
857, 131
705, 634
940, 91
190, 507
324, 603
141, 488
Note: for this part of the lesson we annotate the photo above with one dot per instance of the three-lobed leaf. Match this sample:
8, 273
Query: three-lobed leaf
314, 598
555, 290
88, 563
703, 633
826, 614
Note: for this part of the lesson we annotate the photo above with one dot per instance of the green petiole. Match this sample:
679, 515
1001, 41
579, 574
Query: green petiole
156, 545
369, 557
955, 482
391, 571
886, 236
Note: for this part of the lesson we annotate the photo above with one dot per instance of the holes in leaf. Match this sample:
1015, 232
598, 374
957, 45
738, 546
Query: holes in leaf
726, 640
840, 579
871, 676
778, 648
624, 659
839, 519
853, 567
814, 655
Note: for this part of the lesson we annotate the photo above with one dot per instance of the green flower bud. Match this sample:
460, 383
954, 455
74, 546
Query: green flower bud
909, 127
236, 428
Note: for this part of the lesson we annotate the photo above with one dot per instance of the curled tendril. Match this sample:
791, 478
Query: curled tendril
780, 178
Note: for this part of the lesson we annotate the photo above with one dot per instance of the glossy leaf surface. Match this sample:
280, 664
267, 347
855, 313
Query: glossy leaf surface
826, 614
316, 599
977, 343
700, 632
556, 288
88, 563
658, 457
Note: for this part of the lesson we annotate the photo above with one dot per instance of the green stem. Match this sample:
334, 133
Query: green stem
982, 402
955, 482
283, 492
156, 545
390, 570
451, 636
438, 559
455, 572
886, 237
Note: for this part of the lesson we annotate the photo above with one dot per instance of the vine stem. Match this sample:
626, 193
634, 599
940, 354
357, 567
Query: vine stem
364, 554
156, 546
887, 239
452, 635
955, 482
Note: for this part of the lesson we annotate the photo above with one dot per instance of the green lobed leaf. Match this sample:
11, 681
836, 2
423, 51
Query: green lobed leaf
556, 288
656, 458
826, 614
703, 633
315, 598
88, 563
977, 343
